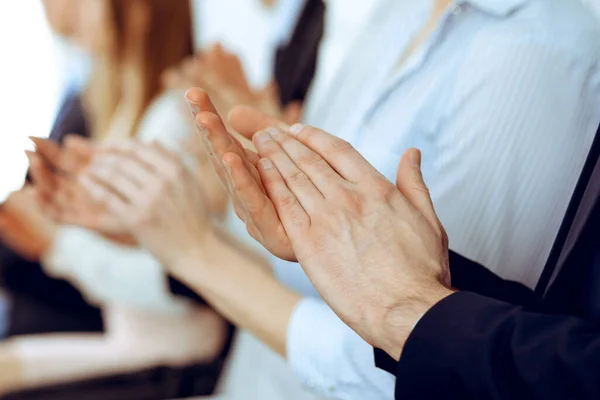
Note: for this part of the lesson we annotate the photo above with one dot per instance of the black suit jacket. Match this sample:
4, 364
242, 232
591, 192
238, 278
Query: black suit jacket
477, 344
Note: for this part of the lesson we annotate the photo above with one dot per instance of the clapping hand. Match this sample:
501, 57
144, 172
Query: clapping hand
376, 252
158, 197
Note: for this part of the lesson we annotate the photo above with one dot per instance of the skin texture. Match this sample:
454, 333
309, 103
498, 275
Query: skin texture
24, 226
376, 252
308, 196
162, 202
259, 214
221, 74
57, 175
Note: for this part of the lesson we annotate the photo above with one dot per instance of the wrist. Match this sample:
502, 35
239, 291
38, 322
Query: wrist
401, 320
198, 261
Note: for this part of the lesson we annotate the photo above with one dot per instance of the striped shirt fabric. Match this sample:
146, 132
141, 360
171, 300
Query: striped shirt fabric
503, 99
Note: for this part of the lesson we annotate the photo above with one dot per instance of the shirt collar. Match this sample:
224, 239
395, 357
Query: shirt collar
500, 8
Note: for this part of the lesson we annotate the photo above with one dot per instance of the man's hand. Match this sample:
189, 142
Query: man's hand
24, 227
251, 203
376, 252
156, 195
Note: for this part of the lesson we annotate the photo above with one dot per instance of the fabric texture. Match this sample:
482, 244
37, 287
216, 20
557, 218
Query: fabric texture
497, 84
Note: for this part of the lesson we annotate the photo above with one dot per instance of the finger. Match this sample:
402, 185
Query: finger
293, 216
292, 113
338, 153
76, 155
152, 158
101, 194
247, 121
65, 195
221, 142
250, 201
137, 171
245, 189
321, 174
410, 182
42, 177
108, 174
296, 180
199, 100
48, 150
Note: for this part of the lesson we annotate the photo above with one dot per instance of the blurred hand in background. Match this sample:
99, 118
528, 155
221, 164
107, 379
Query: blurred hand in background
222, 75
24, 226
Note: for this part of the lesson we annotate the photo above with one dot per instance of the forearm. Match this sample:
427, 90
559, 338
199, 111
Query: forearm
240, 285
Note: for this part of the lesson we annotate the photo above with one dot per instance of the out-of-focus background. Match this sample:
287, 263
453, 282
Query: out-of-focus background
35, 70
30, 89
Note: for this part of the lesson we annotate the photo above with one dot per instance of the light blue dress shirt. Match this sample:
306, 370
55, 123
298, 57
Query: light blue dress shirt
503, 100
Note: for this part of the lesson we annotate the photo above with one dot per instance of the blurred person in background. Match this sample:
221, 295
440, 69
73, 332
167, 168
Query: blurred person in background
63, 18
501, 103
132, 43
49, 304
298, 29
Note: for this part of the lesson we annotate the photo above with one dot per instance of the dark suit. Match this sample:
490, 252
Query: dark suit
296, 62
474, 346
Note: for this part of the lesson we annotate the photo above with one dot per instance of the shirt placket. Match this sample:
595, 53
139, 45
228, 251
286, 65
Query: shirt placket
413, 64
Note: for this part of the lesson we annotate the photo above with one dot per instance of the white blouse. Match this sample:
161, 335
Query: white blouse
110, 273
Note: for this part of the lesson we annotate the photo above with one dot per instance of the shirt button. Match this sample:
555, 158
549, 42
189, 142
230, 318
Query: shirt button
456, 9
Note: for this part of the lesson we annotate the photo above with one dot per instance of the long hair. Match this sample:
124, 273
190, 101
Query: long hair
143, 38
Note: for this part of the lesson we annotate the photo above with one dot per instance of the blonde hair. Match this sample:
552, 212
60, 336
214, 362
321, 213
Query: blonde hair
129, 67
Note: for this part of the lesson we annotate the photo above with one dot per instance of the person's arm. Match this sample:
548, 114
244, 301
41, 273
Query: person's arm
494, 350
240, 286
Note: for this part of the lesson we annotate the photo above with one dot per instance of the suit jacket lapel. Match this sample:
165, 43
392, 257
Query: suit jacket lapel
584, 200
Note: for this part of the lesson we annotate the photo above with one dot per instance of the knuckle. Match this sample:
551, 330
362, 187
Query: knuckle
312, 160
353, 201
297, 177
385, 191
340, 146
286, 201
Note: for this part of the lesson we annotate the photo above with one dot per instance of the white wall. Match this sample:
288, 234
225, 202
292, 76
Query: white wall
29, 85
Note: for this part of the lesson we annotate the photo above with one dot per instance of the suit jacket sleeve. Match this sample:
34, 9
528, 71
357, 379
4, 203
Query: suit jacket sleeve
474, 347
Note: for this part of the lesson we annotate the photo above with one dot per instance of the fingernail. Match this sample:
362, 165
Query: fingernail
273, 131
415, 158
296, 129
227, 167
202, 128
262, 137
194, 108
265, 163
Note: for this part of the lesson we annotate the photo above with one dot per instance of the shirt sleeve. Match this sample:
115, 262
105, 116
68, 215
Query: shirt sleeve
515, 133
330, 358
107, 272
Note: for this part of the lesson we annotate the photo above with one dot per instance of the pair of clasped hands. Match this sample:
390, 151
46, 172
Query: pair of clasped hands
375, 251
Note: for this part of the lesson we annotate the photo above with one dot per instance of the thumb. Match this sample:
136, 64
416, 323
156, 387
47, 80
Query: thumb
410, 182
247, 121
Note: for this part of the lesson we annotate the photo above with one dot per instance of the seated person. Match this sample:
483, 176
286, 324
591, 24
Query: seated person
133, 43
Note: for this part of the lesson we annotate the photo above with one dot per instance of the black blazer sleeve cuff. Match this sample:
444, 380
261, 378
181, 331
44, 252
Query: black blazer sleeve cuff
441, 356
